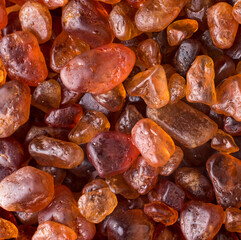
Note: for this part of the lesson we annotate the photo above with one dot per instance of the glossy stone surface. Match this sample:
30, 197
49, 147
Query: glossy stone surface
111, 153
232, 220
7, 229
98, 70
176, 120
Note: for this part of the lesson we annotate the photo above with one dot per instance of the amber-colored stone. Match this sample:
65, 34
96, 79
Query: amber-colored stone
7, 229
33, 190
14, 107
3, 74
96, 205
3, 17
200, 220
54, 231
180, 30
29, 66
141, 176
224, 142
111, 153
36, 18
65, 48
118, 185
54, 152
160, 212
89, 125
155, 145
200, 81
154, 16
47, 95
173, 163
223, 171
88, 21
8, 216
228, 101
131, 224
233, 219
99, 70
94, 185
195, 184
237, 11
151, 85
128, 119
231, 126
176, 120
112, 100
122, 21
177, 88
169, 193
148, 52
222, 25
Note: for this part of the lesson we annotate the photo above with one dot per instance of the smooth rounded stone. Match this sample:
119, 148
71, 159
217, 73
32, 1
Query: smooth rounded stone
122, 22
11, 156
111, 153
26, 190
200, 220
29, 66
151, 85
222, 25
154, 16
176, 120
87, 21
181, 30
112, 100
160, 212
224, 143
3, 17
7, 229
154, 144
237, 11
97, 204
54, 231
65, 47
195, 184
228, 100
14, 107
141, 176
130, 225
168, 193
200, 81
223, 171
47, 95
3, 74
99, 70
148, 52
36, 18
128, 119
56, 153
231, 126
89, 125
233, 219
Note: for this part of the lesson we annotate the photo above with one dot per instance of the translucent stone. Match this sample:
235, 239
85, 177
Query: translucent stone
222, 25
181, 30
237, 11
195, 184
111, 153
141, 176
200, 81
33, 190
122, 22
173, 163
233, 219
151, 85
89, 126
56, 153
155, 145
176, 120
200, 220
177, 88
223, 171
47, 95
228, 100
14, 107
231, 126
224, 143
156, 15
7, 229
3, 74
